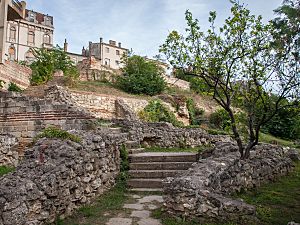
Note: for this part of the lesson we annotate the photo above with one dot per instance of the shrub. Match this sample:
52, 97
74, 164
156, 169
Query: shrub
124, 165
48, 61
141, 76
195, 113
54, 132
13, 87
155, 111
220, 119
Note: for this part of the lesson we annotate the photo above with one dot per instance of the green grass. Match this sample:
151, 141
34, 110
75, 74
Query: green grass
278, 202
169, 220
267, 138
159, 149
108, 204
5, 170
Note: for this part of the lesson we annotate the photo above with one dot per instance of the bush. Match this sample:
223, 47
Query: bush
48, 61
13, 87
5, 170
54, 132
124, 166
155, 111
220, 119
195, 113
141, 76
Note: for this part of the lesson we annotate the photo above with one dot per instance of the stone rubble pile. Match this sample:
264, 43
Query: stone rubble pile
9, 155
205, 190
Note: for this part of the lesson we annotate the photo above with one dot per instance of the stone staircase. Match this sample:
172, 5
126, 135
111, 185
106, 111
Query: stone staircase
148, 169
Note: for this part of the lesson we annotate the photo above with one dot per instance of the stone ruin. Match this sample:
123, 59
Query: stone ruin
205, 191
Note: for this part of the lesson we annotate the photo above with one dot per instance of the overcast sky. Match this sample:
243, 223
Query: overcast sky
139, 24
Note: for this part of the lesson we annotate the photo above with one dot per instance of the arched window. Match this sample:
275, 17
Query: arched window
12, 33
31, 37
12, 53
47, 39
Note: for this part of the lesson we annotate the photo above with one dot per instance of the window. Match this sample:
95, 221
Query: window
107, 62
117, 52
12, 34
107, 50
30, 37
12, 53
31, 17
47, 39
117, 62
29, 57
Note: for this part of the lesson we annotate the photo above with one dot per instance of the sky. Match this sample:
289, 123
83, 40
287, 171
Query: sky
141, 25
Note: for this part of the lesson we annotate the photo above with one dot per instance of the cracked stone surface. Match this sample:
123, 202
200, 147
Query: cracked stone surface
137, 211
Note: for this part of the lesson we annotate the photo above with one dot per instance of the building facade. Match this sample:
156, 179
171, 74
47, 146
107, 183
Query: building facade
21, 34
109, 54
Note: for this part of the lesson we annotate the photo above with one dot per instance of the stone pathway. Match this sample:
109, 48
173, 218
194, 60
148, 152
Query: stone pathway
138, 211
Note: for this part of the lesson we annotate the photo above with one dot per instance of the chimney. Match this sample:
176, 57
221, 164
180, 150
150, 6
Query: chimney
120, 45
65, 46
111, 42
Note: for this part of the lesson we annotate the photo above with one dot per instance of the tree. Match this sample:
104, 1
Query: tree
48, 61
141, 76
241, 67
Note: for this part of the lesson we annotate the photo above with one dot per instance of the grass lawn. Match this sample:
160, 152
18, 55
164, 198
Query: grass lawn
106, 206
5, 170
267, 138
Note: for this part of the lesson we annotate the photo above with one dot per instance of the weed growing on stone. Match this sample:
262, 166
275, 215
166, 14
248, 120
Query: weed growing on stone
5, 170
186, 149
54, 132
124, 165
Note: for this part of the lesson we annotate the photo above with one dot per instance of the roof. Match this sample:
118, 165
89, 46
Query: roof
40, 17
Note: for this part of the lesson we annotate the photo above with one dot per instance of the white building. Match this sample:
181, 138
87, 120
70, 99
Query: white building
21, 33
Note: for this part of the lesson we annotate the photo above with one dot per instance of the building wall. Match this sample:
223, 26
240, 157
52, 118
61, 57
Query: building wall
21, 42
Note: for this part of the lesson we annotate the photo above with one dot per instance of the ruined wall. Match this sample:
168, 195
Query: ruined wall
175, 82
9, 155
165, 135
56, 177
13, 72
24, 116
103, 106
203, 192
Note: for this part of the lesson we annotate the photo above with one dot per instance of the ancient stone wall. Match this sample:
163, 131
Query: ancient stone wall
166, 135
13, 72
104, 106
56, 177
24, 116
9, 155
203, 192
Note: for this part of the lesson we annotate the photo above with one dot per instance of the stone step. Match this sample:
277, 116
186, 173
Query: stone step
160, 166
146, 189
144, 183
135, 151
150, 174
163, 157
132, 144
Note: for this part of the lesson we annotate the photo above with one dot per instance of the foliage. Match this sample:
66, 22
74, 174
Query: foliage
155, 111
195, 113
240, 65
141, 76
267, 138
54, 132
285, 124
278, 202
124, 165
48, 61
13, 87
2, 82
220, 119
5, 170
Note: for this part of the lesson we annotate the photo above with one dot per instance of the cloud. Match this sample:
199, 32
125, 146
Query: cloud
139, 24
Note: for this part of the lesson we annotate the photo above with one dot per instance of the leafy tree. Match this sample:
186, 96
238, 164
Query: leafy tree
240, 65
141, 76
48, 61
